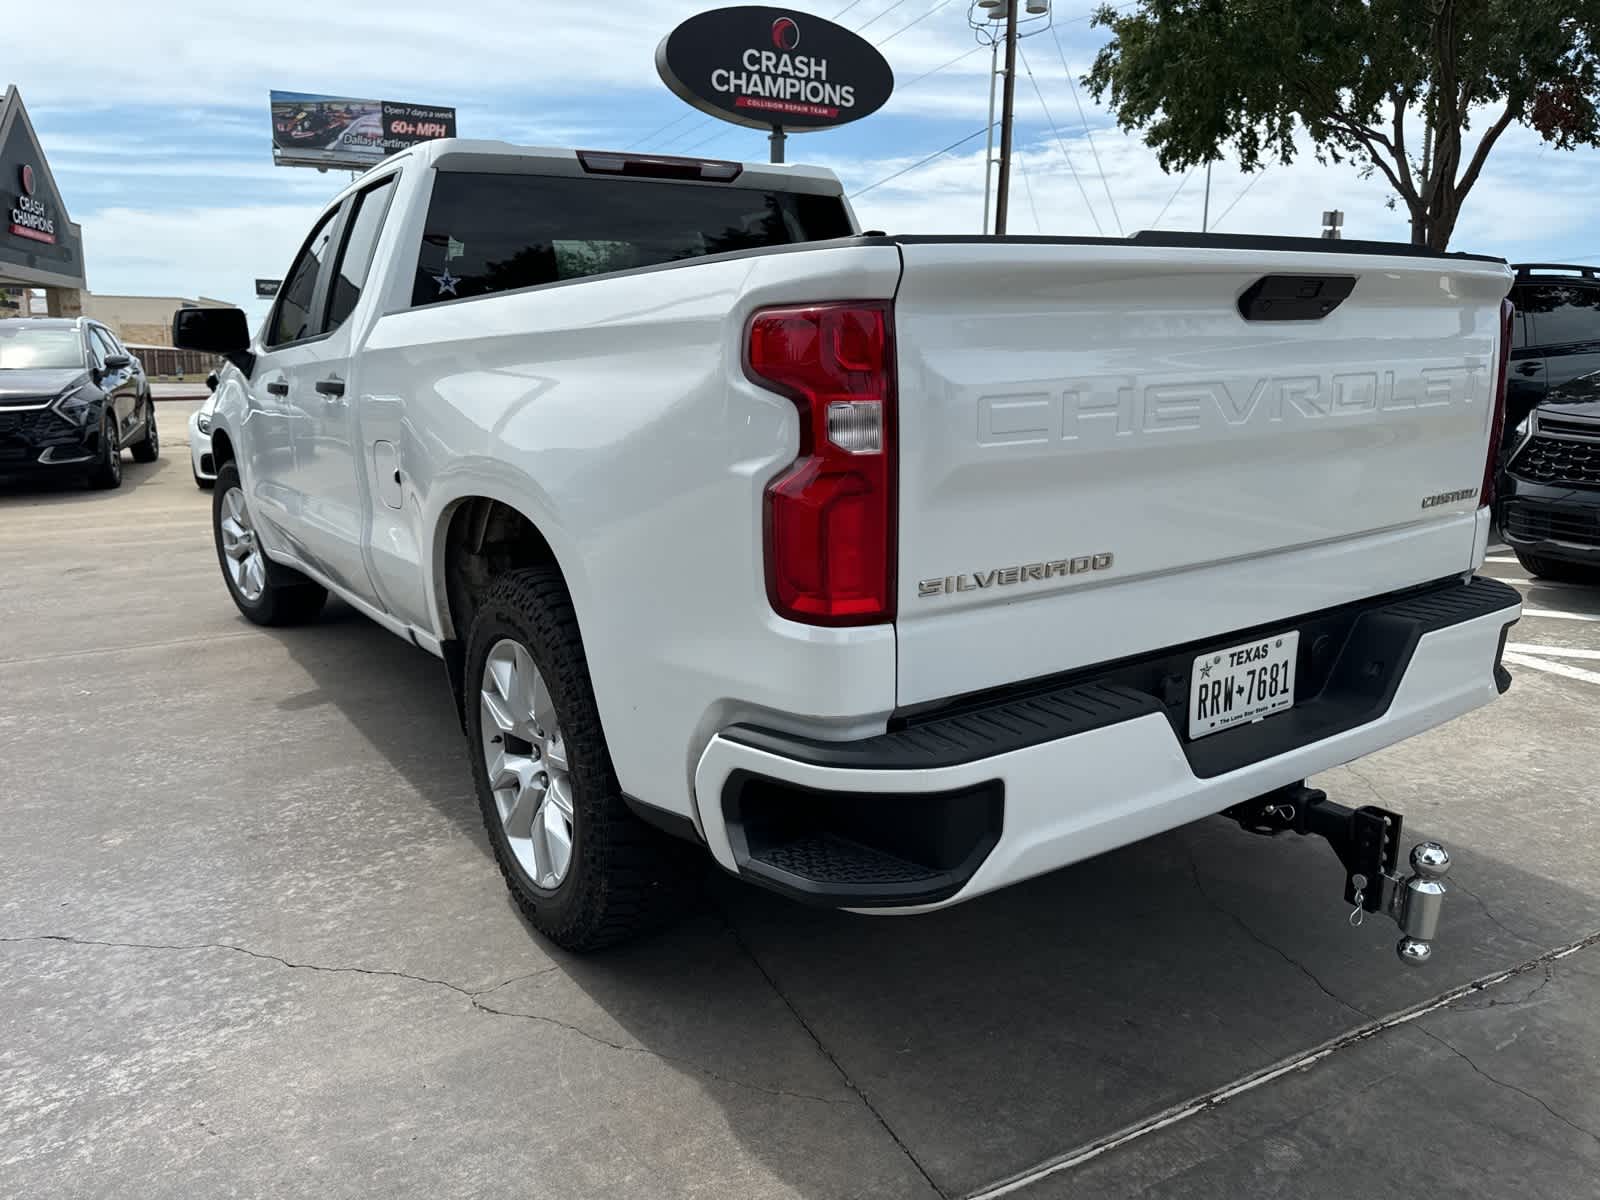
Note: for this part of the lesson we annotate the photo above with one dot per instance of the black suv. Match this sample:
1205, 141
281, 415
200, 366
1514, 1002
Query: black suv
1550, 489
71, 397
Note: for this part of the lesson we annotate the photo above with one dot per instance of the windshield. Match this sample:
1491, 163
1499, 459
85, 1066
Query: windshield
24, 347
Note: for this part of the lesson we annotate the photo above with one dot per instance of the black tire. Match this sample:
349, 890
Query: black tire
203, 484
148, 448
1554, 568
624, 877
107, 472
288, 597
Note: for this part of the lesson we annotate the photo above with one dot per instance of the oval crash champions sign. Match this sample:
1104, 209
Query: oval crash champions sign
762, 67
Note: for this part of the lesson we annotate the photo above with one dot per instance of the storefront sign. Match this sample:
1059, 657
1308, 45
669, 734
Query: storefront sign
268, 288
336, 131
766, 67
29, 217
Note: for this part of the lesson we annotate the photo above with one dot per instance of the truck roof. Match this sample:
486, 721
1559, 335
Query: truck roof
480, 154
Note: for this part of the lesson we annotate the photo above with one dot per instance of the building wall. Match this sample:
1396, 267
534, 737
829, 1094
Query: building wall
142, 320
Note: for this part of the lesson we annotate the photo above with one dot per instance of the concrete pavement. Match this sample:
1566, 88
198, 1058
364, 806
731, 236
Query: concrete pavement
252, 942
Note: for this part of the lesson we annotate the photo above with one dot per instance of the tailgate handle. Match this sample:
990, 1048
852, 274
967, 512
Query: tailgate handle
1294, 297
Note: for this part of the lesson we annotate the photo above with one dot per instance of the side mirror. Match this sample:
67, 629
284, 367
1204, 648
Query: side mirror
211, 382
118, 362
221, 331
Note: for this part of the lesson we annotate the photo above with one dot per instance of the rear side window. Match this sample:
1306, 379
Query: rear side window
490, 233
291, 320
1560, 313
359, 245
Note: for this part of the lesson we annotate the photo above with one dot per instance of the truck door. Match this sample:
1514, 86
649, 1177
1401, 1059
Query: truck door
322, 483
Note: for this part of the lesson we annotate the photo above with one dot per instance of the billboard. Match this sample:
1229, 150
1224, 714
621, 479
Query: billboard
338, 131
266, 289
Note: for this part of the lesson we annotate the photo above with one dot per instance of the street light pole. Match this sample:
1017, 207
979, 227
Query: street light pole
1007, 110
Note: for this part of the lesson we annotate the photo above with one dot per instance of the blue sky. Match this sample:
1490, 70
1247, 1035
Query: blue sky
165, 159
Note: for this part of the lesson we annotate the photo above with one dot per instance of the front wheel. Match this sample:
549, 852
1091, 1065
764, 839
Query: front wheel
1556, 569
107, 472
264, 591
148, 448
583, 869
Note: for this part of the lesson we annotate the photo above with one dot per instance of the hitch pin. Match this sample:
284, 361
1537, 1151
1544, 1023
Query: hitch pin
1358, 914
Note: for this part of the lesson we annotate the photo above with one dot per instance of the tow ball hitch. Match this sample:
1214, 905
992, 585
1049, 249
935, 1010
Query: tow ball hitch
1367, 841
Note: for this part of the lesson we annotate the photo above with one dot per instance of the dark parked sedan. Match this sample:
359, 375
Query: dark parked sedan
71, 398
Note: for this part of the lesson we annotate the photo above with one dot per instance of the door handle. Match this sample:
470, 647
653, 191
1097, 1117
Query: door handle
330, 387
278, 387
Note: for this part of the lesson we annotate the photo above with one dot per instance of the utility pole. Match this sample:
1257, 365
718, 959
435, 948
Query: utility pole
1007, 109
1205, 212
988, 151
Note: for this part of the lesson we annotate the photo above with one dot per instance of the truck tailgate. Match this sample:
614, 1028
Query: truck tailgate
1101, 456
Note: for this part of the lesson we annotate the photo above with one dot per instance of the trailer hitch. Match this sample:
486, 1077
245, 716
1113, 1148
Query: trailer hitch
1367, 841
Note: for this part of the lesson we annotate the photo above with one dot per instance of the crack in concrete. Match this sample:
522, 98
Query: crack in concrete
1513, 1001
1510, 1087
627, 1048
1250, 932
1455, 885
833, 1060
1370, 786
474, 996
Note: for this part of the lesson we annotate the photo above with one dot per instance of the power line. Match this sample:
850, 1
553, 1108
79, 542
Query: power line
1089, 137
845, 9
1172, 197
966, 54
1027, 184
1070, 166
1254, 179
918, 21
882, 15
921, 162
680, 118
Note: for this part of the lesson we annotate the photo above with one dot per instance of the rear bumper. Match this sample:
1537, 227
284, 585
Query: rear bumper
1551, 521
956, 803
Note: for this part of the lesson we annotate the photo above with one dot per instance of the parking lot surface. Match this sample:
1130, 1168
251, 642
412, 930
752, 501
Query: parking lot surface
252, 942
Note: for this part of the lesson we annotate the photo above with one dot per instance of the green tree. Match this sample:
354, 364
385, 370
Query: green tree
1401, 87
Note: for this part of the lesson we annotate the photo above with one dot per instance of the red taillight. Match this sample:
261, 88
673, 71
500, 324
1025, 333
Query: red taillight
1497, 420
830, 516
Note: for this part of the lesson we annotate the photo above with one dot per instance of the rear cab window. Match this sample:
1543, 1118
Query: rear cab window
489, 233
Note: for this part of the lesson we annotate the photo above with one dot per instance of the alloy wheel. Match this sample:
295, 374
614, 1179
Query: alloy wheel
526, 759
242, 552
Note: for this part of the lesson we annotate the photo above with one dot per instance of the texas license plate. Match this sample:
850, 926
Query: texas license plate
1242, 683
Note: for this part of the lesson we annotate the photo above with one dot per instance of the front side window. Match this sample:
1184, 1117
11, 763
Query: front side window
490, 233
1562, 313
102, 344
25, 346
359, 246
292, 319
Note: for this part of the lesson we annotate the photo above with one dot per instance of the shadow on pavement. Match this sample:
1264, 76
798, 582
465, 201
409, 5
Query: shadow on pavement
995, 1035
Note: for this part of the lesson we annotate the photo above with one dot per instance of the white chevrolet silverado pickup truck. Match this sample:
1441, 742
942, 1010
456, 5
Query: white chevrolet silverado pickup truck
888, 570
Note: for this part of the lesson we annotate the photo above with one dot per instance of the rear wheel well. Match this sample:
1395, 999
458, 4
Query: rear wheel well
486, 538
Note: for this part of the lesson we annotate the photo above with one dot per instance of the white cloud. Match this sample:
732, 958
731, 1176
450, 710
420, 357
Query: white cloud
215, 252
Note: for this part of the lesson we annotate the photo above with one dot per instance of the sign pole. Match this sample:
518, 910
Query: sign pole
777, 139
1008, 108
